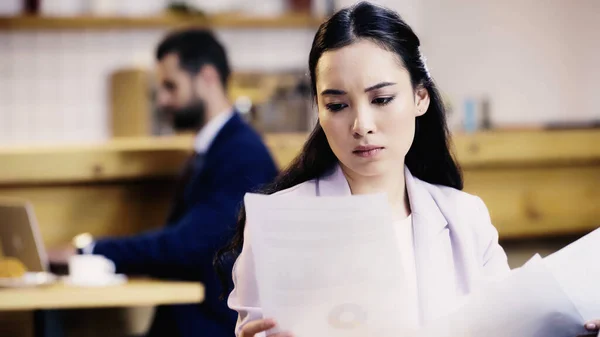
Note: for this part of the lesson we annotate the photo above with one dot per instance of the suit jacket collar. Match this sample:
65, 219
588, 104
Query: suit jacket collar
333, 183
422, 204
233, 126
208, 132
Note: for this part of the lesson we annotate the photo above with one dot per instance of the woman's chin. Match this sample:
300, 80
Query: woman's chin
370, 169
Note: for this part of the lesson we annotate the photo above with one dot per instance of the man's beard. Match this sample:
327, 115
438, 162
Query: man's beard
190, 117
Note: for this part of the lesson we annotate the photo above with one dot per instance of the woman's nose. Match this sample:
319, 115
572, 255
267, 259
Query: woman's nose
364, 123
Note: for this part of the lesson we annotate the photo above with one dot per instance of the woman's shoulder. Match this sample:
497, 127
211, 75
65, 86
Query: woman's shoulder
470, 218
458, 205
454, 197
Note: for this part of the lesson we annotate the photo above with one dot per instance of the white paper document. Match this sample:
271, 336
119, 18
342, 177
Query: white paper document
577, 270
529, 303
551, 297
331, 267
325, 266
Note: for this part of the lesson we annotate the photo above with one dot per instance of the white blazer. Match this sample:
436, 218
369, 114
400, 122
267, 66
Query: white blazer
456, 246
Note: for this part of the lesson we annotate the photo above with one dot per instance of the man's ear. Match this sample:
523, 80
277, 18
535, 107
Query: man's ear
209, 75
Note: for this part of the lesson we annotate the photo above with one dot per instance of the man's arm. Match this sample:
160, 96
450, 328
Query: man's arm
190, 244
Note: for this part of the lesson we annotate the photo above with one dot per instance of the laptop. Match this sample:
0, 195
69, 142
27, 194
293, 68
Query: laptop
20, 236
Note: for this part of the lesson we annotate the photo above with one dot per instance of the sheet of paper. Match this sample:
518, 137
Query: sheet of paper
528, 303
577, 269
327, 266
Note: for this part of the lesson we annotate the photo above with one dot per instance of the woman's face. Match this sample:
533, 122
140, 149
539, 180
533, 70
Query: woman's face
367, 107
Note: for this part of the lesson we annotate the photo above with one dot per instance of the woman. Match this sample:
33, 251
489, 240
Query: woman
382, 128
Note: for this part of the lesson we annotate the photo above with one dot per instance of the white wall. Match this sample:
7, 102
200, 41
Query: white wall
537, 60
54, 85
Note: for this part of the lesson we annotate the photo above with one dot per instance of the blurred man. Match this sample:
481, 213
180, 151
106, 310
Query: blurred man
229, 160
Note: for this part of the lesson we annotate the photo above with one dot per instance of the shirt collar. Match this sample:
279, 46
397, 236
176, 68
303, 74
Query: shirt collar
207, 134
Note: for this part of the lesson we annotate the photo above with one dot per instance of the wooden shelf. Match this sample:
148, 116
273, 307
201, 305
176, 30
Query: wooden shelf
534, 183
165, 21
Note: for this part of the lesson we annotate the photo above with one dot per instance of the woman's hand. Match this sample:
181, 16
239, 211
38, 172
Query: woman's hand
262, 325
593, 325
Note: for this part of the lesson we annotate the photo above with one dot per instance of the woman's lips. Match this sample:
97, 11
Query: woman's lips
367, 151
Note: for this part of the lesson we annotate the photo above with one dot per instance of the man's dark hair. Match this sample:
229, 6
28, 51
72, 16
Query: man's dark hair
196, 48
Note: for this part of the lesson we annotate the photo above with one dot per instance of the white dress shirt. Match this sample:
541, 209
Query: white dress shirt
404, 236
209, 132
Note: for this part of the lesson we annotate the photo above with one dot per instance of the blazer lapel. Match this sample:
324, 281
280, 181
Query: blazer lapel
333, 184
436, 277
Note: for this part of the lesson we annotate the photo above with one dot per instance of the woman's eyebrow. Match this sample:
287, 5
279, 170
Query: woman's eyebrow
333, 92
379, 86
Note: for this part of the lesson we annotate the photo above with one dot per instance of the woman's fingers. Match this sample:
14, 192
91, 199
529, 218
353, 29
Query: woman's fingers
258, 326
262, 325
593, 325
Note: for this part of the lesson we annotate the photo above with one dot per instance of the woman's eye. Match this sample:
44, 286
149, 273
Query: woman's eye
383, 100
334, 107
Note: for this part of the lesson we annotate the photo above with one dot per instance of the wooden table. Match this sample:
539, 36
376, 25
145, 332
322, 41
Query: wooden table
136, 292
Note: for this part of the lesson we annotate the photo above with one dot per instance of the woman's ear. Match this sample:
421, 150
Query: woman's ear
421, 100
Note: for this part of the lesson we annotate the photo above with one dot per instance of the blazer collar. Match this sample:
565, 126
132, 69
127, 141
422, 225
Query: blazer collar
207, 134
333, 184
422, 204
231, 127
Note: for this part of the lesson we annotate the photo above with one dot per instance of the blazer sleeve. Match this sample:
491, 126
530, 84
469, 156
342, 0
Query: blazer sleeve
189, 245
244, 298
494, 259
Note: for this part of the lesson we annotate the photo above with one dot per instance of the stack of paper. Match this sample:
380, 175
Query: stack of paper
577, 270
529, 303
551, 297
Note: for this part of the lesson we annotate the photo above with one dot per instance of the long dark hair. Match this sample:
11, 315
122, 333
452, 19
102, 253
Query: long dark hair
429, 157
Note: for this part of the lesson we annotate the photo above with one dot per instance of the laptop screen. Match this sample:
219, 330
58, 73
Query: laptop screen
20, 237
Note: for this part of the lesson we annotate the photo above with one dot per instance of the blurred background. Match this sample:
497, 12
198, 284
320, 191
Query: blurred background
81, 139
532, 62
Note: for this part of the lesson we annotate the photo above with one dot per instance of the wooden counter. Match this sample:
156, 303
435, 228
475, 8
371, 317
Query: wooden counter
132, 294
535, 183
122, 159
145, 158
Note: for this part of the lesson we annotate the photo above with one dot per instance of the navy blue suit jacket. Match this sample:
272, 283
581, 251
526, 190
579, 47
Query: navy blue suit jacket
236, 162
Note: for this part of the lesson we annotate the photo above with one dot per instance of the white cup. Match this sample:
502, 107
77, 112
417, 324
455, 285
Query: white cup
90, 270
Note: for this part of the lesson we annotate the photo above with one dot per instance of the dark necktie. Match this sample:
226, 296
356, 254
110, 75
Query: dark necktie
197, 163
190, 173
